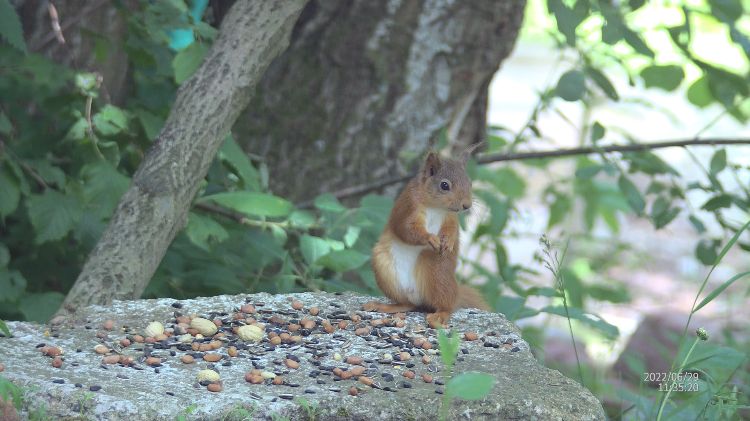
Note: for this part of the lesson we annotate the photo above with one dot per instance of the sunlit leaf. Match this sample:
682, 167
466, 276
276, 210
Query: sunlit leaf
313, 248
343, 260
718, 202
470, 386
187, 61
329, 203
667, 77
251, 203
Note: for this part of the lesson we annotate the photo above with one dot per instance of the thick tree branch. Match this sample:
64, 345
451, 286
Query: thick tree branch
155, 207
519, 156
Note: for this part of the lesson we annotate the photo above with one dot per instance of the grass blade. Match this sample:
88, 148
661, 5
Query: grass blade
715, 293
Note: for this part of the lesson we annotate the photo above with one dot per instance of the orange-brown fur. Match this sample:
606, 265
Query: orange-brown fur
435, 267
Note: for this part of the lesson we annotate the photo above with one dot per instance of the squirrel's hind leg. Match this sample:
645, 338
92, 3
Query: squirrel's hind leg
387, 308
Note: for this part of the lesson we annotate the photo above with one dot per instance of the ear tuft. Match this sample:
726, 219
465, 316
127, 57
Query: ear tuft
431, 164
466, 154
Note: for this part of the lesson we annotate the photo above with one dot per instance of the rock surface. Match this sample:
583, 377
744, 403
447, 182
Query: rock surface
85, 388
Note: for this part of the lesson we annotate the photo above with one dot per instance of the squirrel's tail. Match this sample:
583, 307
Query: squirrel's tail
468, 297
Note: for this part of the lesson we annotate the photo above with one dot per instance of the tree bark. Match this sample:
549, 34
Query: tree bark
155, 207
364, 81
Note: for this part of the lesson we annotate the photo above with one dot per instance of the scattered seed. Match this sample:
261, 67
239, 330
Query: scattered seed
297, 305
57, 362
471, 336
291, 363
426, 359
111, 359
153, 361
187, 359
409, 374
95, 388
278, 380
353, 391
354, 360
404, 356
212, 358
427, 378
214, 387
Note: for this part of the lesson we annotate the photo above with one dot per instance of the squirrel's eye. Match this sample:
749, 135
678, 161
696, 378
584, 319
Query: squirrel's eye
445, 186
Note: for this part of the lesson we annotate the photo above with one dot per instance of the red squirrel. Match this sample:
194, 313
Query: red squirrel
415, 258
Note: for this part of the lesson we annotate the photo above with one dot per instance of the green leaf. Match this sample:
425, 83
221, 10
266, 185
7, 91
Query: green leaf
603, 83
10, 26
103, 187
705, 251
301, 219
5, 125
632, 195
39, 307
237, 159
110, 121
508, 182
718, 161
4, 256
715, 293
558, 210
343, 260
571, 86
589, 319
150, 122
589, 171
10, 194
470, 386
53, 215
187, 61
329, 203
203, 230
717, 202
597, 132
12, 285
568, 19
313, 248
697, 224
351, 236
699, 93
5, 330
667, 77
731, 242
448, 346
251, 203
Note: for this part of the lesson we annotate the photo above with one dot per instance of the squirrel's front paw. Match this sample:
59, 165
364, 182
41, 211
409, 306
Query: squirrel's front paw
434, 242
446, 244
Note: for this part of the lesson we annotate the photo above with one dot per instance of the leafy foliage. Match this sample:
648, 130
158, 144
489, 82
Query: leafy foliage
62, 173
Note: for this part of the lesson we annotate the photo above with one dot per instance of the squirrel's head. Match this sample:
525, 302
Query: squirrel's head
445, 183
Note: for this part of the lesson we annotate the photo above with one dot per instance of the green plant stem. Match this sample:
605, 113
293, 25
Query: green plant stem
672, 384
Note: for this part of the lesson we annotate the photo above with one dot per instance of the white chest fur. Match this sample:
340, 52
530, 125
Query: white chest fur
405, 256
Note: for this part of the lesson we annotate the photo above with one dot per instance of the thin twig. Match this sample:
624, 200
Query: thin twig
55, 20
227, 213
38, 45
520, 156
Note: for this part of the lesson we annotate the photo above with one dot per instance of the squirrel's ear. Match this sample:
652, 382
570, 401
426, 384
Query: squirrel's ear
431, 164
466, 154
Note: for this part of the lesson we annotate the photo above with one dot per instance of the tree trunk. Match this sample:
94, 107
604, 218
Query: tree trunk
364, 81
155, 207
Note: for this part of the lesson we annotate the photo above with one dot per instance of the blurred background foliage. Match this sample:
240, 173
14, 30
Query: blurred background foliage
63, 169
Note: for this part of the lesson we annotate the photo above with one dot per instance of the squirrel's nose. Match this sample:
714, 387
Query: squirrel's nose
466, 205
